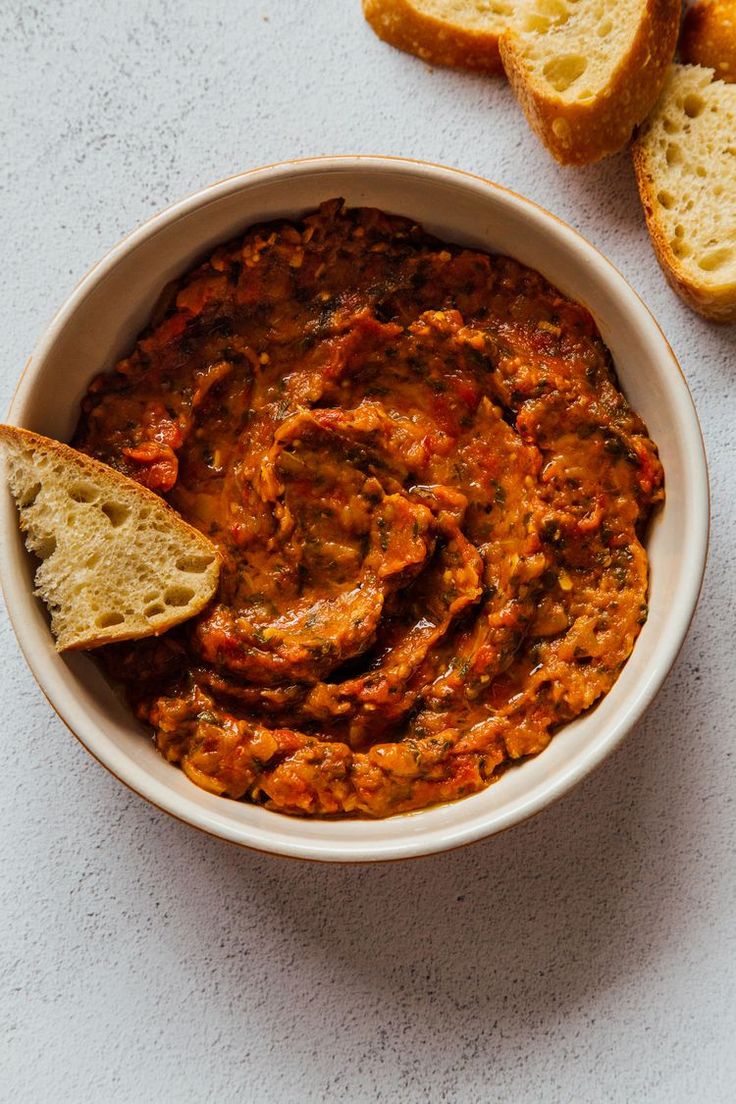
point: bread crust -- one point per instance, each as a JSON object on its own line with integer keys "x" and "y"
{"x": 715, "y": 304}
{"x": 581, "y": 133}
{"x": 434, "y": 40}
{"x": 708, "y": 37}
{"x": 24, "y": 440}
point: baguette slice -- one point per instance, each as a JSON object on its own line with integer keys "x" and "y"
{"x": 586, "y": 72}
{"x": 117, "y": 562}
{"x": 461, "y": 33}
{"x": 685, "y": 165}
{"x": 709, "y": 37}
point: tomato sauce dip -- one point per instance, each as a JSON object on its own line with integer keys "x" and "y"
{"x": 430, "y": 497}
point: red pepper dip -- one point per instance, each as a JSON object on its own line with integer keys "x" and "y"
{"x": 430, "y": 497}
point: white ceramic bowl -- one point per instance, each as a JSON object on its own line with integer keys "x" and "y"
{"x": 97, "y": 325}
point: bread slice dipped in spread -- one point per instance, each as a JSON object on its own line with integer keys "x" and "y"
{"x": 117, "y": 563}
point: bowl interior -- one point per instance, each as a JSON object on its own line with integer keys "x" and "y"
{"x": 100, "y": 321}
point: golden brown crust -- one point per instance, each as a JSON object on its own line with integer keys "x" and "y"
{"x": 582, "y": 132}
{"x": 15, "y": 437}
{"x": 715, "y": 304}
{"x": 709, "y": 37}
{"x": 404, "y": 25}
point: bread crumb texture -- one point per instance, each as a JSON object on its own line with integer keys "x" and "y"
{"x": 116, "y": 561}
{"x": 685, "y": 162}
{"x": 709, "y": 37}
{"x": 587, "y": 73}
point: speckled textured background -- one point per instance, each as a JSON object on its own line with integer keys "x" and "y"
{"x": 586, "y": 956}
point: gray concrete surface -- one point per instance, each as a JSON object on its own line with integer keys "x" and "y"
{"x": 587, "y": 956}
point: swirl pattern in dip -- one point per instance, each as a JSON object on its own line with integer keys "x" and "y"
{"x": 430, "y": 496}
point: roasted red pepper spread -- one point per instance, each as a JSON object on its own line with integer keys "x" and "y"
{"x": 430, "y": 497}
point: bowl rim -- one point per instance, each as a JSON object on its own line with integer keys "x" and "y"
{"x": 134, "y": 776}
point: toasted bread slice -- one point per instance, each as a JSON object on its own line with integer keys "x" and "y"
{"x": 685, "y": 164}
{"x": 708, "y": 37}
{"x": 586, "y": 72}
{"x": 462, "y": 33}
{"x": 117, "y": 562}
